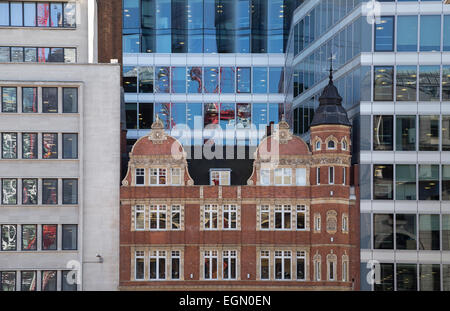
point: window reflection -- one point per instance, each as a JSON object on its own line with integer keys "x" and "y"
{"x": 29, "y": 146}
{"x": 146, "y": 76}
{"x": 383, "y": 182}
{"x": 162, "y": 80}
{"x": 260, "y": 80}
{"x": 243, "y": 79}
{"x": 383, "y": 83}
{"x": 406, "y": 133}
{"x": 406, "y": 277}
{"x": 406, "y": 83}
{"x": 384, "y": 34}
{"x": 179, "y": 80}
{"x": 29, "y": 191}
{"x": 211, "y": 80}
{"x": 428, "y": 182}
{"x": 131, "y": 115}
{"x": 383, "y": 133}
{"x": 227, "y": 79}
{"x": 227, "y": 115}
{"x": 407, "y": 29}
{"x": 194, "y": 80}
{"x": 428, "y": 133}
{"x": 430, "y": 33}
{"x": 386, "y": 278}
{"x": 429, "y": 83}
{"x": 405, "y": 182}
{"x": 383, "y": 231}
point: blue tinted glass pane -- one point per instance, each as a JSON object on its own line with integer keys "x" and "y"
{"x": 194, "y": 121}
{"x": 211, "y": 80}
{"x": 131, "y": 14}
{"x": 209, "y": 14}
{"x": 429, "y": 83}
{"x": 384, "y": 34}
{"x": 163, "y": 26}
{"x": 275, "y": 80}
{"x": 275, "y": 20}
{"x": 407, "y": 33}
{"x": 243, "y": 79}
{"x": 4, "y": 14}
{"x": 178, "y": 114}
{"x": 259, "y": 115}
{"x": 56, "y": 14}
{"x": 227, "y": 77}
{"x": 16, "y": 14}
{"x": 195, "y": 26}
{"x": 447, "y": 33}
{"x": 243, "y": 26}
{"x": 194, "y": 80}
{"x": 43, "y": 14}
{"x": 179, "y": 80}
{"x": 163, "y": 111}
{"x": 227, "y": 115}
{"x": 162, "y": 80}
{"x": 131, "y": 43}
{"x": 29, "y": 12}
{"x": 430, "y": 33}
{"x": 260, "y": 80}
{"x": 275, "y": 112}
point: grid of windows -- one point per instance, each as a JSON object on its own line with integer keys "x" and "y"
{"x": 28, "y": 54}
{"x": 285, "y": 217}
{"x": 157, "y": 217}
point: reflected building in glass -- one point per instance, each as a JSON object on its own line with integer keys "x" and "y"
{"x": 393, "y": 71}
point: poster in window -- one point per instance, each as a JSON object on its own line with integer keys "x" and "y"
{"x": 50, "y": 191}
{"x": 8, "y": 281}
{"x": 50, "y": 146}
{"x": 43, "y": 12}
{"x": 9, "y": 237}
{"x": 29, "y": 239}
{"x": 243, "y": 115}
{"x": 9, "y": 99}
{"x": 9, "y": 145}
{"x": 30, "y": 190}
{"x": 48, "y": 281}
{"x": 9, "y": 191}
{"x": 29, "y": 146}
{"x": 49, "y": 237}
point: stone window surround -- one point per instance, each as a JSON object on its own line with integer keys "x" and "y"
{"x": 147, "y": 175}
{"x": 220, "y": 249}
{"x": 293, "y": 216}
{"x": 147, "y": 217}
{"x": 220, "y": 206}
{"x": 293, "y": 175}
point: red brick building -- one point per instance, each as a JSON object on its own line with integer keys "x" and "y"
{"x": 294, "y": 225}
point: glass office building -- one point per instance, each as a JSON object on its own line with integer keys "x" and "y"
{"x": 205, "y": 65}
{"x": 394, "y": 75}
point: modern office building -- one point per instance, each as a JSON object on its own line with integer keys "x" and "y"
{"x": 392, "y": 61}
{"x": 59, "y": 164}
{"x": 291, "y": 225}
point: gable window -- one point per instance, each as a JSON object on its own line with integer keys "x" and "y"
{"x": 264, "y": 178}
{"x": 282, "y": 265}
{"x": 176, "y": 176}
{"x": 331, "y": 145}
{"x": 344, "y": 223}
{"x": 331, "y": 175}
{"x": 210, "y": 216}
{"x": 300, "y": 176}
{"x": 301, "y": 217}
{"x": 229, "y": 216}
{"x": 282, "y": 217}
{"x": 317, "y": 222}
{"x": 283, "y": 176}
{"x": 158, "y": 217}
{"x": 317, "y": 270}
{"x": 220, "y": 177}
{"x": 331, "y": 270}
{"x": 140, "y": 176}
{"x": 158, "y": 176}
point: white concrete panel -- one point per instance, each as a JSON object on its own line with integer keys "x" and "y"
{"x": 178, "y": 97}
{"x": 162, "y": 59}
{"x": 227, "y": 59}
{"x": 446, "y": 55}
{"x": 429, "y": 58}
{"x": 429, "y": 207}
{"x": 429, "y": 108}
{"x": 36, "y": 123}
{"x": 260, "y": 60}
{"x": 429, "y": 257}
{"x": 445, "y": 207}
{"x": 406, "y": 206}
{"x": 145, "y": 59}
{"x": 131, "y": 98}
{"x": 365, "y": 157}
{"x": 404, "y": 256}
{"x": 143, "y": 98}
{"x": 276, "y": 98}
{"x": 365, "y": 108}
{"x": 178, "y": 60}
{"x": 211, "y": 60}
{"x": 387, "y": 58}
{"x": 384, "y": 255}
{"x": 407, "y": 7}
{"x": 243, "y": 98}
{"x": 431, "y": 7}
{"x": 51, "y": 168}
{"x": 366, "y": 255}
{"x": 383, "y": 108}
{"x": 162, "y": 97}
{"x": 445, "y": 107}
{"x": 227, "y": 97}
{"x": 133, "y": 59}
{"x": 446, "y": 257}
{"x": 385, "y": 157}
{"x": 405, "y": 157}
{"x": 39, "y": 214}
{"x": 407, "y": 58}
{"x": 405, "y": 107}
{"x": 429, "y": 157}
{"x": 365, "y": 206}
{"x": 44, "y": 260}
{"x": 383, "y": 206}
{"x": 445, "y": 157}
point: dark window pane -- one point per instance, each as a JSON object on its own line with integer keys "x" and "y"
{"x": 9, "y": 237}
{"x": 383, "y": 231}
{"x": 9, "y": 145}
{"x": 145, "y": 115}
{"x": 130, "y": 79}
{"x": 428, "y": 182}
{"x": 70, "y": 100}
{"x": 70, "y": 191}
{"x": 28, "y": 281}
{"x": 49, "y": 99}
{"x": 386, "y": 278}
{"x": 365, "y": 231}
{"x": 227, "y": 79}
{"x": 430, "y": 277}
{"x": 430, "y": 33}
{"x": 56, "y": 55}
{"x": 29, "y": 146}
{"x": 43, "y": 14}
{"x": 383, "y": 84}
{"x": 48, "y": 281}
{"x": 16, "y": 13}
{"x": 406, "y": 231}
{"x": 146, "y": 79}
{"x": 49, "y": 191}
{"x": 70, "y": 14}
{"x": 30, "y": 191}
{"x": 8, "y": 278}
{"x": 446, "y": 182}
{"x": 406, "y": 133}
{"x": 9, "y": 191}
{"x": 276, "y": 80}
{"x": 406, "y": 83}
{"x": 29, "y": 12}
{"x": 69, "y": 237}
{"x": 446, "y": 232}
{"x": 405, "y": 176}
{"x": 445, "y": 83}
{"x": 382, "y": 182}
{"x": 131, "y": 115}
{"x": 428, "y": 133}
{"x": 29, "y": 237}
{"x": 50, "y": 146}
{"x": 49, "y": 237}
{"x": 70, "y": 146}
{"x": 56, "y": 14}
{"x": 383, "y": 132}
{"x": 9, "y": 99}
{"x": 429, "y": 232}
{"x": 384, "y": 34}
{"x": 29, "y": 100}
{"x": 406, "y": 277}
{"x": 429, "y": 83}
{"x": 69, "y": 279}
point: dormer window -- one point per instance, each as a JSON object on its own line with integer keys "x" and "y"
{"x": 158, "y": 176}
{"x": 318, "y": 145}
{"x": 283, "y": 176}
{"x": 176, "y": 176}
{"x": 220, "y": 177}
{"x": 331, "y": 144}
{"x": 139, "y": 176}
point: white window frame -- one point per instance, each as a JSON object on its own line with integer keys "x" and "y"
{"x": 344, "y": 271}
{"x": 344, "y": 145}
{"x": 138, "y": 255}
{"x": 317, "y": 270}
{"x": 301, "y": 255}
{"x": 283, "y": 209}
{"x": 318, "y": 145}
{"x": 283, "y": 173}
{"x": 318, "y": 175}
{"x": 139, "y": 209}
{"x": 328, "y": 145}
{"x": 298, "y": 181}
{"x": 283, "y": 255}
{"x": 210, "y": 255}
{"x": 175, "y": 255}
{"x": 160, "y": 172}
{"x": 230, "y": 209}
{"x": 331, "y": 177}
{"x": 344, "y": 176}
{"x": 157, "y": 254}
{"x": 221, "y": 173}
{"x": 264, "y": 254}
{"x": 139, "y": 172}
{"x": 158, "y": 210}
{"x": 264, "y": 177}
{"x": 175, "y": 209}
{"x": 210, "y": 210}
{"x": 229, "y": 255}
{"x": 300, "y": 209}
{"x": 262, "y": 210}
{"x": 331, "y": 270}
{"x": 317, "y": 222}
{"x": 175, "y": 173}
{"x": 344, "y": 223}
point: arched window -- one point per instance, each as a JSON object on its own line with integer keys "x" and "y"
{"x": 318, "y": 145}
{"x": 331, "y": 144}
{"x": 344, "y": 145}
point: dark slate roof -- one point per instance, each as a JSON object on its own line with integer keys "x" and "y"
{"x": 330, "y": 110}
{"x": 241, "y": 169}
